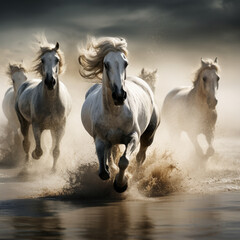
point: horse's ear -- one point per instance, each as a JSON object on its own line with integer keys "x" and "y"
{"x": 142, "y": 72}
{"x": 203, "y": 62}
{"x": 155, "y": 71}
{"x": 57, "y": 46}
{"x": 10, "y": 66}
{"x": 216, "y": 60}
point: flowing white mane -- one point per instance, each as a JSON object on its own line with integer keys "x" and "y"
{"x": 91, "y": 57}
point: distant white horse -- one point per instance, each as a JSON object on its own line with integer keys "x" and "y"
{"x": 17, "y": 73}
{"x": 44, "y": 103}
{"x": 192, "y": 109}
{"x": 121, "y": 110}
{"x": 149, "y": 77}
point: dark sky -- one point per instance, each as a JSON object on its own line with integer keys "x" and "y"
{"x": 161, "y": 20}
{"x": 188, "y": 24}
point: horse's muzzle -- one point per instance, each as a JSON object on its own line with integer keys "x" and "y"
{"x": 50, "y": 83}
{"x": 212, "y": 103}
{"x": 119, "y": 98}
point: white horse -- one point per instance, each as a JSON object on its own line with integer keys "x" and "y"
{"x": 192, "y": 109}
{"x": 121, "y": 110}
{"x": 44, "y": 103}
{"x": 17, "y": 73}
{"x": 149, "y": 77}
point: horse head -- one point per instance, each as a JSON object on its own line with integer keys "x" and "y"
{"x": 17, "y": 74}
{"x": 50, "y": 67}
{"x": 210, "y": 81}
{"x": 115, "y": 64}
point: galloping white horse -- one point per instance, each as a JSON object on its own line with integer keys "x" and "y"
{"x": 17, "y": 73}
{"x": 121, "y": 110}
{"x": 44, "y": 103}
{"x": 192, "y": 109}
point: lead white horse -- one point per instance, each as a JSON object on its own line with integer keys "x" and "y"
{"x": 120, "y": 110}
{"x": 17, "y": 74}
{"x": 44, "y": 103}
{"x": 192, "y": 109}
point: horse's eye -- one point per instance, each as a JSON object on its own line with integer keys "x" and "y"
{"x": 42, "y": 60}
{"x": 204, "y": 79}
{"x": 126, "y": 64}
{"x": 106, "y": 65}
{"x": 57, "y": 60}
{"x": 218, "y": 78}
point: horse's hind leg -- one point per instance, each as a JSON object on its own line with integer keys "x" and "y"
{"x": 147, "y": 138}
{"x": 56, "y": 139}
{"x": 24, "y": 130}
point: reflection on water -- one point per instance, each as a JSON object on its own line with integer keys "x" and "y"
{"x": 172, "y": 217}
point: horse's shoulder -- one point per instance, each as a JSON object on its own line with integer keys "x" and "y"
{"x": 9, "y": 91}
{"x": 95, "y": 87}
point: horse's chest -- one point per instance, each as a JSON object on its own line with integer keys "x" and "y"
{"x": 51, "y": 116}
{"x": 114, "y": 130}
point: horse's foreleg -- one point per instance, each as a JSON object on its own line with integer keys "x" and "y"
{"x": 37, "y": 132}
{"x": 56, "y": 139}
{"x": 120, "y": 183}
{"x": 195, "y": 142}
{"x": 210, "y": 150}
{"x": 102, "y": 150}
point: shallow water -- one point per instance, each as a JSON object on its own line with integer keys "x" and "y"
{"x": 205, "y": 205}
{"x": 180, "y": 216}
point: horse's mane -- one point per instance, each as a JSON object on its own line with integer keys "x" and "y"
{"x": 207, "y": 64}
{"x": 16, "y": 67}
{"x": 45, "y": 46}
{"x": 91, "y": 57}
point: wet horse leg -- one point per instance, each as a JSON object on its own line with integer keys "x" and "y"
{"x": 57, "y": 135}
{"x": 102, "y": 150}
{"x": 37, "y": 132}
{"x": 120, "y": 183}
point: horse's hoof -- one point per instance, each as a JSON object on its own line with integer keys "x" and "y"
{"x": 210, "y": 152}
{"x": 37, "y": 154}
{"x": 120, "y": 189}
{"x": 104, "y": 175}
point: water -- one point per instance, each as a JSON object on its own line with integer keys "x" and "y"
{"x": 180, "y": 216}
{"x": 203, "y": 202}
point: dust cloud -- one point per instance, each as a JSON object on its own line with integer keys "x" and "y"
{"x": 167, "y": 169}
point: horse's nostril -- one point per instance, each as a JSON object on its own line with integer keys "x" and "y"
{"x": 124, "y": 95}
{"x": 114, "y": 95}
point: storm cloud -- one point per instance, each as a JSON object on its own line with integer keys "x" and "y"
{"x": 173, "y": 21}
